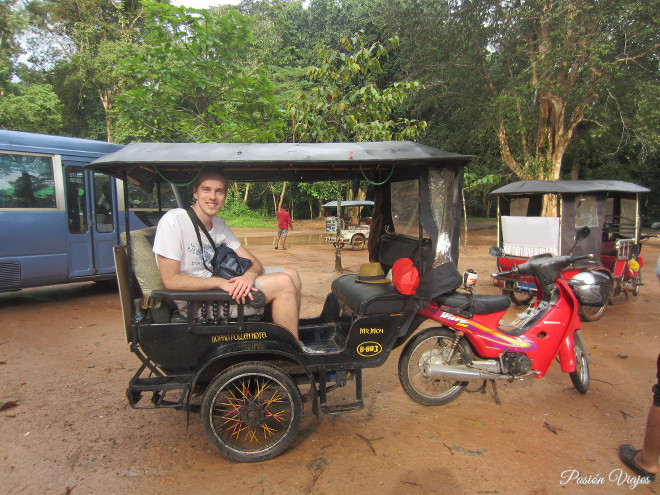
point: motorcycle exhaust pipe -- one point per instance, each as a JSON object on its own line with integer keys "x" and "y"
{"x": 458, "y": 373}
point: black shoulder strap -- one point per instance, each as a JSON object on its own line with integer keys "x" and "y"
{"x": 197, "y": 223}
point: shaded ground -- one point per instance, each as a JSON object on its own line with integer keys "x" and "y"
{"x": 65, "y": 362}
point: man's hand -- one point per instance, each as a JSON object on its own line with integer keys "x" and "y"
{"x": 240, "y": 287}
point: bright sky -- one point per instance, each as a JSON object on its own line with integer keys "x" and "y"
{"x": 204, "y": 4}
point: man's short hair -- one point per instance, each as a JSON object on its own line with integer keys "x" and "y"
{"x": 205, "y": 173}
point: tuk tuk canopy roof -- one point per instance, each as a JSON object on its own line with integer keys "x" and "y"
{"x": 569, "y": 187}
{"x": 333, "y": 204}
{"x": 309, "y": 162}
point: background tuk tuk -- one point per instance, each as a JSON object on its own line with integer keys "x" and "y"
{"x": 354, "y": 229}
{"x": 230, "y": 362}
{"x": 610, "y": 208}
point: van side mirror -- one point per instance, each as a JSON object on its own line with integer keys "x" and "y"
{"x": 496, "y": 252}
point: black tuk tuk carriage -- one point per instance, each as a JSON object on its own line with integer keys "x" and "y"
{"x": 610, "y": 208}
{"x": 246, "y": 369}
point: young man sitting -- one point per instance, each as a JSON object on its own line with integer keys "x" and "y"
{"x": 182, "y": 263}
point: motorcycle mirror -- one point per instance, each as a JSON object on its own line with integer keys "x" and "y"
{"x": 583, "y": 233}
{"x": 496, "y": 252}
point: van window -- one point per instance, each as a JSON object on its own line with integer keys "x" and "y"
{"x": 76, "y": 206}
{"x": 26, "y": 181}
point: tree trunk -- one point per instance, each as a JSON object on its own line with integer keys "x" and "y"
{"x": 272, "y": 191}
{"x": 281, "y": 201}
{"x": 247, "y": 191}
{"x": 338, "y": 267}
{"x": 106, "y": 101}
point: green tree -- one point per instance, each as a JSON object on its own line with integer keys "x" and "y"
{"x": 346, "y": 103}
{"x": 532, "y": 72}
{"x": 192, "y": 83}
{"x": 92, "y": 36}
{"x": 35, "y": 108}
{"x": 11, "y": 22}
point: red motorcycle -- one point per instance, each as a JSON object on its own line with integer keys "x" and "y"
{"x": 472, "y": 344}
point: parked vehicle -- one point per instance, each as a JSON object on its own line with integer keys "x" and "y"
{"x": 612, "y": 209}
{"x": 58, "y": 221}
{"x": 242, "y": 372}
{"x": 353, "y": 233}
{"x": 472, "y": 344}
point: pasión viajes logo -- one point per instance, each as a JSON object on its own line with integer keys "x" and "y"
{"x": 616, "y": 477}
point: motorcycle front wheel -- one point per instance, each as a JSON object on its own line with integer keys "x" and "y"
{"x": 433, "y": 344}
{"x": 580, "y": 377}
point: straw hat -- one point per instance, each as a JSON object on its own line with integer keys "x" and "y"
{"x": 371, "y": 273}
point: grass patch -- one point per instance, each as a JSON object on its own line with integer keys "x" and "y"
{"x": 249, "y": 222}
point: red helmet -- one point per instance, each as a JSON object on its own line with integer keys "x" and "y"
{"x": 405, "y": 276}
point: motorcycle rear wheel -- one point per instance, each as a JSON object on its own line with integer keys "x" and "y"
{"x": 580, "y": 377}
{"x": 432, "y": 343}
{"x": 521, "y": 297}
{"x": 637, "y": 283}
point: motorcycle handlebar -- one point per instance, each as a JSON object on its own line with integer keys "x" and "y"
{"x": 567, "y": 260}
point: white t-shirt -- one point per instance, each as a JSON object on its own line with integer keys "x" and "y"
{"x": 176, "y": 239}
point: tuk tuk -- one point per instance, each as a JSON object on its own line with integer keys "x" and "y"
{"x": 354, "y": 230}
{"x": 229, "y": 361}
{"x": 611, "y": 208}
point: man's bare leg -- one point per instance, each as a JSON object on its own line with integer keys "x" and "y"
{"x": 296, "y": 282}
{"x": 280, "y": 289}
{"x": 647, "y": 458}
{"x": 277, "y": 242}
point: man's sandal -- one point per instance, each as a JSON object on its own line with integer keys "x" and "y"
{"x": 627, "y": 455}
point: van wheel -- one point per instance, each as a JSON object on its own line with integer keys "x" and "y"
{"x": 357, "y": 242}
{"x": 251, "y": 412}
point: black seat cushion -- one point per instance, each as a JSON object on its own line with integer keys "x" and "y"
{"x": 475, "y": 303}
{"x": 368, "y": 299}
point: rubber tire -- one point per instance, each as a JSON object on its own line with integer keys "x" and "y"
{"x": 520, "y": 297}
{"x": 637, "y": 283}
{"x": 358, "y": 242}
{"x": 580, "y": 377}
{"x": 243, "y": 372}
{"x": 591, "y": 313}
{"x": 463, "y": 354}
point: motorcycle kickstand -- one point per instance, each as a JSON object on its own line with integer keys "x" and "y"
{"x": 496, "y": 395}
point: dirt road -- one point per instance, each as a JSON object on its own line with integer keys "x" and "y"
{"x": 64, "y": 361}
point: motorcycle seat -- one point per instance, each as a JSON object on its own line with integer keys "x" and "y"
{"x": 474, "y": 303}
{"x": 368, "y": 299}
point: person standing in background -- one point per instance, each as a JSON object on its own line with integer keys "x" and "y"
{"x": 283, "y": 226}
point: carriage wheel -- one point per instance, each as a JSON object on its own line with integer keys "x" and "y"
{"x": 251, "y": 412}
{"x": 357, "y": 242}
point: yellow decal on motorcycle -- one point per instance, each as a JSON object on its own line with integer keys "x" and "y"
{"x": 234, "y": 337}
{"x": 369, "y": 349}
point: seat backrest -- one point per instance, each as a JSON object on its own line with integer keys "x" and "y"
{"x": 123, "y": 281}
{"x": 144, "y": 264}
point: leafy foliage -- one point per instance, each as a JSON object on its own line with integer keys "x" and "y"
{"x": 346, "y": 104}
{"x": 193, "y": 83}
{"x": 35, "y": 108}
